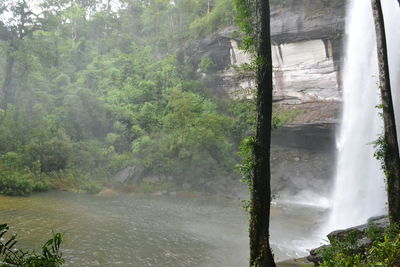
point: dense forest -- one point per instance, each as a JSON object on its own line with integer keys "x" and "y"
{"x": 90, "y": 87}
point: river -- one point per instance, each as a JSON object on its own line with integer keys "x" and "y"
{"x": 147, "y": 230}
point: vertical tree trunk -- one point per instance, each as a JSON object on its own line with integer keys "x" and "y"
{"x": 260, "y": 251}
{"x": 391, "y": 157}
{"x": 109, "y": 6}
{"x": 6, "y": 83}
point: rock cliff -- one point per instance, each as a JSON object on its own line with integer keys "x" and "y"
{"x": 303, "y": 20}
{"x": 307, "y": 40}
{"x": 307, "y": 51}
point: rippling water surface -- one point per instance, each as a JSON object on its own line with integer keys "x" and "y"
{"x": 140, "y": 231}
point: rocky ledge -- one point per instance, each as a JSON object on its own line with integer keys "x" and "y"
{"x": 300, "y": 20}
{"x": 359, "y": 233}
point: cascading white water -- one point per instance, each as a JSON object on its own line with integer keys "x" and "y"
{"x": 359, "y": 191}
{"x": 391, "y": 9}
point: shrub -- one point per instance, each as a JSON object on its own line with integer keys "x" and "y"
{"x": 23, "y": 181}
{"x": 384, "y": 250}
{"x": 15, "y": 184}
{"x": 91, "y": 187}
{"x": 385, "y": 253}
{"x": 207, "y": 65}
{"x": 50, "y": 256}
{"x": 42, "y": 184}
{"x": 52, "y": 154}
{"x": 221, "y": 15}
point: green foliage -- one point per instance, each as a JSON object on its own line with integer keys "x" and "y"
{"x": 385, "y": 253}
{"x": 221, "y": 15}
{"x": 11, "y": 256}
{"x": 380, "y": 146}
{"x": 384, "y": 249}
{"x": 342, "y": 253}
{"x": 193, "y": 135}
{"x": 207, "y": 65}
{"x": 281, "y": 117}
{"x": 93, "y": 91}
{"x": 247, "y": 165}
{"x": 16, "y": 179}
{"x": 245, "y": 10}
{"x": 16, "y": 184}
{"x": 52, "y": 154}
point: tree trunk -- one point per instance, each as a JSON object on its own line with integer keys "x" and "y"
{"x": 391, "y": 157}
{"x": 260, "y": 251}
{"x": 109, "y": 6}
{"x": 6, "y": 83}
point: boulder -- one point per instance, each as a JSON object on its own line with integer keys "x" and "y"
{"x": 315, "y": 255}
{"x": 380, "y": 222}
{"x": 131, "y": 175}
{"x": 107, "y": 192}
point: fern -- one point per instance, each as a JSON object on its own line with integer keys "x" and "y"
{"x": 11, "y": 256}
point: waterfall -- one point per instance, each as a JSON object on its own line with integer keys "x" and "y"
{"x": 359, "y": 191}
{"x": 392, "y": 14}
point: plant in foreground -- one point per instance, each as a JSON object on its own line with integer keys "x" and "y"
{"x": 11, "y": 256}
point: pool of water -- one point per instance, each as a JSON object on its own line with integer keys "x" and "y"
{"x": 143, "y": 230}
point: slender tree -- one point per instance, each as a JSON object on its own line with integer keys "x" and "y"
{"x": 391, "y": 148}
{"x": 260, "y": 250}
{"x": 23, "y": 22}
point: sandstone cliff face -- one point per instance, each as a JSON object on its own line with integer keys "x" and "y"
{"x": 307, "y": 42}
{"x": 305, "y": 72}
{"x": 303, "y": 20}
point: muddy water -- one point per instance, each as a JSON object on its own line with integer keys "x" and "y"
{"x": 153, "y": 230}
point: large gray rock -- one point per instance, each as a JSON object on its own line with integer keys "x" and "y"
{"x": 381, "y": 222}
{"x": 307, "y": 20}
{"x": 130, "y": 175}
{"x": 216, "y": 45}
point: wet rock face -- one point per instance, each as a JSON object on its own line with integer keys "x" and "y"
{"x": 131, "y": 174}
{"x": 305, "y": 72}
{"x": 301, "y": 159}
{"x": 217, "y": 46}
{"x": 380, "y": 222}
{"x": 303, "y": 20}
{"x": 307, "y": 52}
